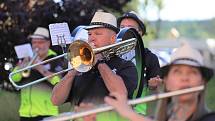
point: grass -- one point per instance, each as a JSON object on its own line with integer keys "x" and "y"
{"x": 9, "y": 106}
{"x": 9, "y": 103}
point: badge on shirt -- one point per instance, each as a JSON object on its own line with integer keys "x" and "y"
{"x": 114, "y": 70}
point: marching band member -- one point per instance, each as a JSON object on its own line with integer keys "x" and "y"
{"x": 107, "y": 76}
{"x": 185, "y": 70}
{"x": 35, "y": 99}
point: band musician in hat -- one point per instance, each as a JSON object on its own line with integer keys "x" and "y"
{"x": 35, "y": 99}
{"x": 151, "y": 79}
{"x": 107, "y": 76}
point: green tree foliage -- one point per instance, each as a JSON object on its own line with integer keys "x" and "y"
{"x": 19, "y": 18}
{"x": 190, "y": 29}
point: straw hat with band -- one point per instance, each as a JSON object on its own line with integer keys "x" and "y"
{"x": 40, "y": 33}
{"x": 186, "y": 55}
{"x": 103, "y": 20}
{"x": 133, "y": 15}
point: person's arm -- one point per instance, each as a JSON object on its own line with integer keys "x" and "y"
{"x": 113, "y": 82}
{"x": 120, "y": 103}
{"x": 53, "y": 80}
{"x": 61, "y": 91}
{"x": 153, "y": 70}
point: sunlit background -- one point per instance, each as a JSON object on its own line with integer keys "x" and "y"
{"x": 168, "y": 22}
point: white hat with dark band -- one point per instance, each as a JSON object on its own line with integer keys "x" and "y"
{"x": 186, "y": 55}
{"x": 103, "y": 20}
{"x": 40, "y": 33}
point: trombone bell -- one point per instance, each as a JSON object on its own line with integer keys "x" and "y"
{"x": 26, "y": 73}
{"x": 81, "y": 56}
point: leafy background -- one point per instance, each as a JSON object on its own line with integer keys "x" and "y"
{"x": 19, "y": 18}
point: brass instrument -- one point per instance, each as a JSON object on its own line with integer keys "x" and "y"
{"x": 105, "y": 107}
{"x": 81, "y": 56}
{"x": 27, "y": 73}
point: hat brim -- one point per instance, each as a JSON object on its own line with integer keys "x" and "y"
{"x": 38, "y": 37}
{"x": 93, "y": 26}
{"x": 207, "y": 73}
{"x": 102, "y": 25}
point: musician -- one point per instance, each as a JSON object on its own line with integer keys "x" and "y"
{"x": 107, "y": 75}
{"x": 151, "y": 72}
{"x": 185, "y": 70}
{"x": 35, "y": 99}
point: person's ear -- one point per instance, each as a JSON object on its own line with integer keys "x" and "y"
{"x": 113, "y": 38}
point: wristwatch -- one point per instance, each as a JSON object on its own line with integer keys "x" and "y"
{"x": 99, "y": 61}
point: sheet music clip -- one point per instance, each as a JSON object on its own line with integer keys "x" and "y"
{"x": 61, "y": 42}
{"x": 60, "y": 35}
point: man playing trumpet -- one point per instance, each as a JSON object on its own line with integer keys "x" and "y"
{"x": 35, "y": 99}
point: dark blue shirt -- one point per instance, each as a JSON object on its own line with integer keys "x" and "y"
{"x": 90, "y": 87}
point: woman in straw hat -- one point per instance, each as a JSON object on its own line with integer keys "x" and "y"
{"x": 185, "y": 70}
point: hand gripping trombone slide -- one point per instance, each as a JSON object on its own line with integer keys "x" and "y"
{"x": 104, "y": 107}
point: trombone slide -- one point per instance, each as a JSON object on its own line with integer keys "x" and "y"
{"x": 31, "y": 66}
{"x": 105, "y": 107}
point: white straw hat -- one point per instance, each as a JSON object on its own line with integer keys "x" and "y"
{"x": 186, "y": 55}
{"x": 104, "y": 20}
{"x": 40, "y": 33}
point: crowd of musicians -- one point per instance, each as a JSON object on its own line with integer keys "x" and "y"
{"x": 116, "y": 79}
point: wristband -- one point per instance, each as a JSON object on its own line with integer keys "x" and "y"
{"x": 98, "y": 62}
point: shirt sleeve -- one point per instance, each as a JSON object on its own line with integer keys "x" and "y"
{"x": 129, "y": 75}
{"x": 18, "y": 76}
{"x": 152, "y": 66}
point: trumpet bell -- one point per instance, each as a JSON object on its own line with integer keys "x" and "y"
{"x": 81, "y": 56}
{"x": 26, "y": 73}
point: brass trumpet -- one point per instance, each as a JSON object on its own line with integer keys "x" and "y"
{"x": 81, "y": 56}
{"x": 27, "y": 73}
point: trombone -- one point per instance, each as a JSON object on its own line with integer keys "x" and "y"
{"x": 81, "y": 56}
{"x": 105, "y": 107}
{"x": 27, "y": 73}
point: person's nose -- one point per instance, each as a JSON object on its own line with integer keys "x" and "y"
{"x": 185, "y": 77}
{"x": 35, "y": 46}
{"x": 92, "y": 40}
